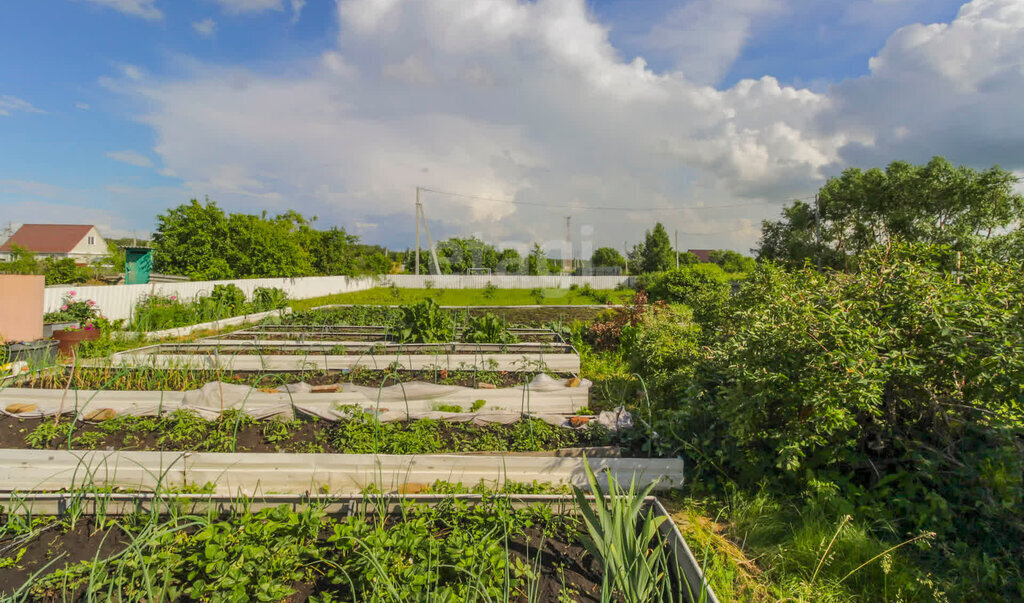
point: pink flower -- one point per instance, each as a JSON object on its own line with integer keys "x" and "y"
{"x": 64, "y": 307}
{"x": 174, "y": 298}
{"x": 71, "y": 293}
{"x": 92, "y": 303}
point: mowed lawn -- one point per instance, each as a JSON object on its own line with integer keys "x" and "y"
{"x": 470, "y": 297}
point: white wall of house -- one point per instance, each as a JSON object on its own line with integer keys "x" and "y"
{"x": 91, "y": 246}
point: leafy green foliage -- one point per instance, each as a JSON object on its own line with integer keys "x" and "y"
{"x": 702, "y": 287}
{"x": 662, "y": 346}
{"x": 268, "y": 298}
{"x": 732, "y": 261}
{"x": 657, "y": 254}
{"x": 202, "y": 242}
{"x": 156, "y": 312}
{"x": 935, "y": 203}
{"x": 607, "y": 257}
{"x": 62, "y": 271}
{"x": 620, "y": 534}
{"x": 895, "y": 390}
{"x": 364, "y": 435}
{"x": 487, "y": 328}
{"x": 426, "y": 322}
{"x": 536, "y": 262}
{"x": 446, "y": 553}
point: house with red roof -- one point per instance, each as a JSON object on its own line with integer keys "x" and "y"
{"x": 80, "y": 242}
{"x": 704, "y": 255}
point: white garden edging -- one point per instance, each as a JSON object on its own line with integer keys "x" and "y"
{"x": 204, "y": 326}
{"x": 253, "y": 474}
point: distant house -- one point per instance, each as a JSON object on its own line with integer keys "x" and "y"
{"x": 703, "y": 255}
{"x": 80, "y": 242}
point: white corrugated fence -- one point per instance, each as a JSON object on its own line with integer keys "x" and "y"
{"x": 118, "y": 301}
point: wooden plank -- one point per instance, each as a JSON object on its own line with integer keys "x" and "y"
{"x": 253, "y": 474}
{"x": 560, "y": 363}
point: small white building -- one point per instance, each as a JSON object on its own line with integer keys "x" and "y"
{"x": 80, "y": 242}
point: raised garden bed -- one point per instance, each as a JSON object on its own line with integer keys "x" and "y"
{"x": 242, "y": 356}
{"x": 521, "y": 316}
{"x": 150, "y": 379}
{"x": 463, "y": 548}
{"x": 341, "y": 334}
{"x": 237, "y": 432}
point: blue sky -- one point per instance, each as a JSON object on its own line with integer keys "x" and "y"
{"x": 113, "y": 110}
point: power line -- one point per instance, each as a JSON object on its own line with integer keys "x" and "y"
{"x": 599, "y": 208}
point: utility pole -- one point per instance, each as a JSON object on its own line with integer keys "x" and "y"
{"x": 625, "y": 255}
{"x": 419, "y": 211}
{"x": 817, "y": 227}
{"x": 677, "y": 248}
{"x": 567, "y": 261}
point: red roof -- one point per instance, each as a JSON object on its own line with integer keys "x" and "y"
{"x": 703, "y": 255}
{"x": 48, "y": 238}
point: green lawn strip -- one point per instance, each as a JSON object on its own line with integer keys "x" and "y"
{"x": 469, "y": 297}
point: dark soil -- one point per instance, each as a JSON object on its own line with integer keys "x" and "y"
{"x": 62, "y": 546}
{"x": 58, "y": 546}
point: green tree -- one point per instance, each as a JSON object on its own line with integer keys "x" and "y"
{"x": 607, "y": 257}
{"x": 688, "y": 259}
{"x": 536, "y": 262}
{"x": 732, "y": 261}
{"x": 193, "y": 240}
{"x": 657, "y": 254}
{"x": 935, "y": 203}
{"x": 510, "y": 262}
{"x": 22, "y": 261}
{"x": 64, "y": 272}
{"x": 335, "y": 253}
{"x": 262, "y": 247}
{"x": 704, "y": 288}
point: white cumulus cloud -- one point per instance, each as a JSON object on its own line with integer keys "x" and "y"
{"x": 131, "y": 158}
{"x": 10, "y": 104}
{"x": 206, "y": 28}
{"x": 249, "y": 6}
{"x": 705, "y": 37}
{"x": 531, "y": 101}
{"x": 138, "y": 8}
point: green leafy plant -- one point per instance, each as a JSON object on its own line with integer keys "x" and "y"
{"x": 268, "y": 298}
{"x": 488, "y": 328}
{"x": 625, "y": 539}
{"x": 425, "y": 322}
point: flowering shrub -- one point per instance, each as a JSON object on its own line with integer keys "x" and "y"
{"x": 74, "y": 308}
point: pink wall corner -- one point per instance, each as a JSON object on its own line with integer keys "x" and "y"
{"x": 21, "y": 306}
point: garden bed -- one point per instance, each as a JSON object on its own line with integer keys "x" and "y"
{"x": 237, "y": 432}
{"x": 149, "y": 379}
{"x": 534, "y": 316}
{"x": 558, "y": 358}
{"x": 290, "y": 555}
{"x": 463, "y": 547}
{"x": 340, "y": 334}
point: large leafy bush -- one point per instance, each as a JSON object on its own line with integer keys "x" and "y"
{"x": 702, "y": 287}
{"x": 662, "y": 345}
{"x": 898, "y": 388}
